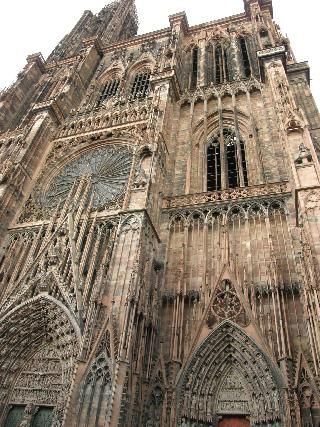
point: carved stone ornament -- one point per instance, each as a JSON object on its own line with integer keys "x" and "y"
{"x": 304, "y": 156}
{"x": 108, "y": 169}
{"x": 313, "y": 200}
{"x": 227, "y": 305}
{"x": 228, "y": 374}
{"x": 5, "y": 169}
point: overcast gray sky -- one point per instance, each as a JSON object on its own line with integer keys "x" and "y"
{"x": 29, "y": 26}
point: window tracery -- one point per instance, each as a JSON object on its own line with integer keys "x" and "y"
{"x": 227, "y": 305}
{"x": 97, "y": 389}
{"x": 226, "y": 152}
{"x": 141, "y": 85}
{"x": 217, "y": 63}
{"x": 110, "y": 89}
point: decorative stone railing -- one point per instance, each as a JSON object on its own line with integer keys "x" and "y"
{"x": 271, "y": 51}
{"x": 226, "y": 195}
{"x": 114, "y": 113}
{"x": 219, "y": 90}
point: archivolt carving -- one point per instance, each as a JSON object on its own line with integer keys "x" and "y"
{"x": 229, "y": 374}
{"x": 212, "y": 128}
{"x": 40, "y": 381}
{"x": 39, "y": 321}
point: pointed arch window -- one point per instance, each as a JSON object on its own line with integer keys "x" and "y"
{"x": 110, "y": 89}
{"x": 226, "y": 161}
{"x": 245, "y": 57}
{"x": 141, "y": 85}
{"x": 217, "y": 63}
{"x": 194, "y": 67}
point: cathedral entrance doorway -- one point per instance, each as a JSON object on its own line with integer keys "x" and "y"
{"x": 234, "y": 422}
{"x": 229, "y": 375}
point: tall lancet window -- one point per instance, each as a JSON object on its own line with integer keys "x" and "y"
{"x": 217, "y": 64}
{"x": 226, "y": 161}
{"x": 214, "y": 165}
{"x": 194, "y": 68}
{"x": 245, "y": 57}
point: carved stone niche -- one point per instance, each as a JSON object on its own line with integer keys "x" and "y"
{"x": 143, "y": 169}
{"x": 304, "y": 157}
{"x": 153, "y": 416}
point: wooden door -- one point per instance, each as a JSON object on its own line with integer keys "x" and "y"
{"x": 234, "y": 422}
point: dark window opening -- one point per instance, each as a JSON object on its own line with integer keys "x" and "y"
{"x": 214, "y": 166}
{"x": 219, "y": 65}
{"x": 109, "y": 90}
{"x": 194, "y": 74}
{"x": 233, "y": 157}
{"x": 210, "y": 68}
{"x": 244, "y": 163}
{"x": 226, "y": 67}
{"x": 141, "y": 85}
{"x": 232, "y": 166}
{"x": 245, "y": 57}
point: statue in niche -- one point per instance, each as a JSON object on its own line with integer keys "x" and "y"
{"x": 142, "y": 174}
{"x": 155, "y": 408}
{"x": 29, "y": 412}
{"x": 184, "y": 423}
{"x": 304, "y": 156}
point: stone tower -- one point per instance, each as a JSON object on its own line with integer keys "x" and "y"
{"x": 160, "y": 228}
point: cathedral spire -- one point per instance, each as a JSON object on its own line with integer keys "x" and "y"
{"x": 116, "y": 21}
{"x": 124, "y": 22}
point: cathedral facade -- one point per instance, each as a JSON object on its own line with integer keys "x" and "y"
{"x": 160, "y": 228}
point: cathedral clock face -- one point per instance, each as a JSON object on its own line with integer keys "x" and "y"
{"x": 108, "y": 168}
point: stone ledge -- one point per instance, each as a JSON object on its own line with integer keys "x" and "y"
{"x": 226, "y": 195}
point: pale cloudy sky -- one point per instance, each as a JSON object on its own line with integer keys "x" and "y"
{"x": 29, "y": 26}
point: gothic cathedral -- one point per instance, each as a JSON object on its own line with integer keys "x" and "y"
{"x": 160, "y": 228}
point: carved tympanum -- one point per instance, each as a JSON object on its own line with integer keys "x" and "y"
{"x": 228, "y": 374}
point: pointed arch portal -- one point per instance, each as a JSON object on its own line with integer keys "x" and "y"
{"x": 40, "y": 329}
{"x": 229, "y": 378}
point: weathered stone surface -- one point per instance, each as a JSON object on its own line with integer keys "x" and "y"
{"x": 160, "y": 221}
